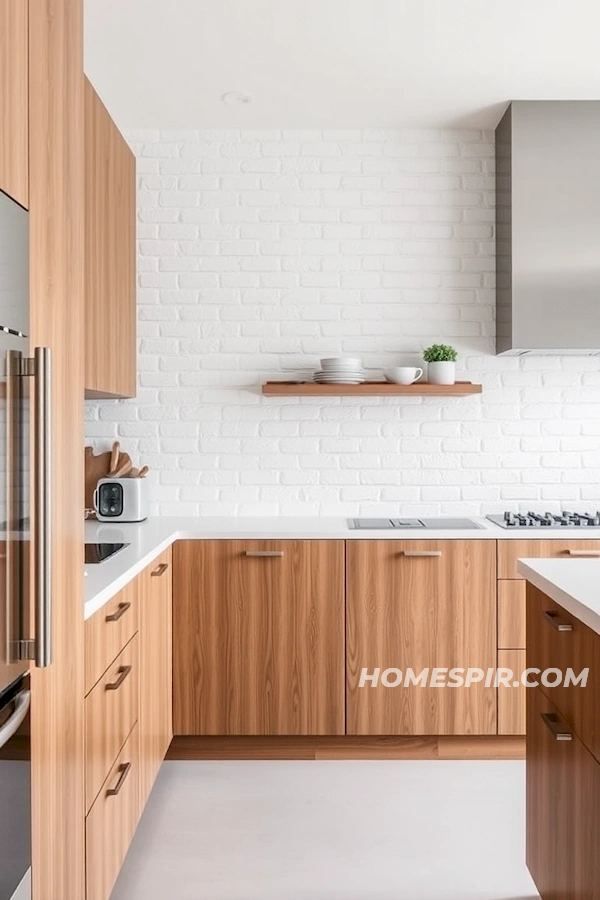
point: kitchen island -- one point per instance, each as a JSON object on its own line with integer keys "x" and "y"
{"x": 563, "y": 726}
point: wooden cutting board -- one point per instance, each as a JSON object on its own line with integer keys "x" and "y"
{"x": 96, "y": 467}
{"x": 99, "y": 466}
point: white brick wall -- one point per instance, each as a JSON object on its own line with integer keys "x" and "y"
{"x": 261, "y": 251}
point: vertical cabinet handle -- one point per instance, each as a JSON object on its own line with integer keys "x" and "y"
{"x": 554, "y": 619}
{"x": 554, "y": 724}
{"x": 123, "y": 770}
{"x": 418, "y": 553}
{"x": 160, "y": 570}
{"x": 43, "y": 505}
{"x": 269, "y": 554}
{"x": 120, "y": 611}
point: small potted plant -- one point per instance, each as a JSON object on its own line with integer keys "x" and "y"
{"x": 441, "y": 364}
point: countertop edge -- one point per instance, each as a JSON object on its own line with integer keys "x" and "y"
{"x": 529, "y": 568}
{"x": 149, "y": 539}
{"x": 101, "y": 597}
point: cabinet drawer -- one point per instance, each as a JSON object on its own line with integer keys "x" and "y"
{"x": 510, "y": 551}
{"x": 511, "y": 615}
{"x": 557, "y": 640}
{"x": 111, "y": 822}
{"x": 563, "y": 806}
{"x": 107, "y": 632}
{"x": 111, "y": 709}
{"x": 512, "y": 700}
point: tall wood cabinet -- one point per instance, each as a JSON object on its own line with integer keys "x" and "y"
{"x": 110, "y": 255}
{"x": 14, "y": 101}
{"x": 258, "y": 637}
{"x": 420, "y": 604}
{"x": 56, "y": 227}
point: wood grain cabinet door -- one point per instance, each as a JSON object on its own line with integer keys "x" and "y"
{"x": 110, "y": 255}
{"x": 156, "y": 670}
{"x": 14, "y": 96}
{"x": 258, "y": 637}
{"x": 550, "y": 819}
{"x": 563, "y": 805}
{"x": 418, "y": 605}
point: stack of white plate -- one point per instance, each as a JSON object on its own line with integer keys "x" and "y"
{"x": 340, "y": 370}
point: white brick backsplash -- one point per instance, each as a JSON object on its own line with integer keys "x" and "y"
{"x": 261, "y": 251}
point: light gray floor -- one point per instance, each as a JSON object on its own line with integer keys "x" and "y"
{"x": 331, "y": 831}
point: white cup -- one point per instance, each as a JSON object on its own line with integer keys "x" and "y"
{"x": 403, "y": 374}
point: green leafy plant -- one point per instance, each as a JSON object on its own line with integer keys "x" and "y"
{"x": 440, "y": 353}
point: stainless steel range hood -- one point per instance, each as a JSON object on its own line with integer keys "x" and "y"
{"x": 548, "y": 228}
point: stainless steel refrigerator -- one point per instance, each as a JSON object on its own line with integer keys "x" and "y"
{"x": 25, "y": 620}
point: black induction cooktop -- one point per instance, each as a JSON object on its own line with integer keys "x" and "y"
{"x": 97, "y": 553}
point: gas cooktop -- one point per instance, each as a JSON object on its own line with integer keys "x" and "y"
{"x": 530, "y": 519}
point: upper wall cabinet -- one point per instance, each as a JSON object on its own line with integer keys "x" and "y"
{"x": 14, "y": 165}
{"x": 110, "y": 256}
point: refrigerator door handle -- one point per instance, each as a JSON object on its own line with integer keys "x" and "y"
{"x": 40, "y": 369}
{"x": 11, "y": 726}
{"x": 43, "y": 506}
{"x": 18, "y": 646}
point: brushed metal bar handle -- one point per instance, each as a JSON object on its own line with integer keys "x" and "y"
{"x": 123, "y": 673}
{"x": 265, "y": 553}
{"x": 418, "y": 553}
{"x": 43, "y": 505}
{"x": 160, "y": 570}
{"x": 120, "y": 611}
{"x": 124, "y": 770}
{"x": 582, "y": 552}
{"x": 553, "y": 619}
{"x": 554, "y": 724}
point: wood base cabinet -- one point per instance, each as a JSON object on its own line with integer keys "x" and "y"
{"x": 511, "y": 614}
{"x": 128, "y": 716}
{"x": 420, "y": 605}
{"x": 258, "y": 637}
{"x": 563, "y": 774}
{"x": 563, "y": 806}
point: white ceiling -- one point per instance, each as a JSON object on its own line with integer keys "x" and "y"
{"x": 336, "y": 63}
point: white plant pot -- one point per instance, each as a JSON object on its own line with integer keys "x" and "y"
{"x": 441, "y": 372}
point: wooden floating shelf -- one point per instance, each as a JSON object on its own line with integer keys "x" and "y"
{"x": 369, "y": 389}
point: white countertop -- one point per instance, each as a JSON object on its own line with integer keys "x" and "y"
{"x": 572, "y": 583}
{"x": 148, "y": 539}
